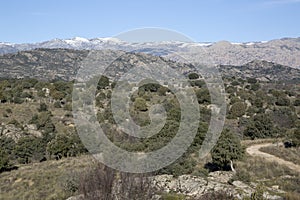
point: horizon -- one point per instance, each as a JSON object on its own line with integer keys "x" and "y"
{"x": 204, "y": 42}
{"x": 236, "y": 21}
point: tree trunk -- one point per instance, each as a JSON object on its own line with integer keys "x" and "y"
{"x": 231, "y": 166}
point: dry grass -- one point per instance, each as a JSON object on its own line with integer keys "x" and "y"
{"x": 41, "y": 180}
{"x": 288, "y": 154}
{"x": 248, "y": 143}
{"x": 270, "y": 173}
{"x": 20, "y": 112}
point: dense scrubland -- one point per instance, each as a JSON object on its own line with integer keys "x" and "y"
{"x": 42, "y": 156}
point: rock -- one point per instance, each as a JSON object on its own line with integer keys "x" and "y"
{"x": 11, "y": 131}
{"x": 247, "y": 190}
{"x": 220, "y": 176}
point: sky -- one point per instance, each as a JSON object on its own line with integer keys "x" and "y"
{"x": 203, "y": 21}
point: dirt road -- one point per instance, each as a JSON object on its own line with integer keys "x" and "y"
{"x": 254, "y": 151}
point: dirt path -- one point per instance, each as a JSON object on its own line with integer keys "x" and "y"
{"x": 254, "y": 151}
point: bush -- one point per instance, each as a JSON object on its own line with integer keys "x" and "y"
{"x": 30, "y": 149}
{"x": 260, "y": 126}
{"x": 140, "y": 104}
{"x": 172, "y": 196}
{"x": 241, "y": 175}
{"x": 217, "y": 195}
{"x": 65, "y": 146}
{"x": 203, "y": 96}
{"x": 258, "y": 194}
{"x": 4, "y": 160}
{"x": 238, "y": 109}
{"x": 57, "y": 104}
{"x": 282, "y": 101}
{"x": 296, "y": 137}
{"x": 297, "y": 102}
{"x": 193, "y": 76}
{"x": 43, "y": 107}
{"x": 103, "y": 82}
{"x": 252, "y": 80}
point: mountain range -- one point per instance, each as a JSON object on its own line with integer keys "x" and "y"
{"x": 49, "y": 64}
{"x": 285, "y": 51}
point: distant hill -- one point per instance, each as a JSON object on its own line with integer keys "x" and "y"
{"x": 262, "y": 70}
{"x": 49, "y": 64}
{"x": 285, "y": 51}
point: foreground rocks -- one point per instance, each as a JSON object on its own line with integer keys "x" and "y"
{"x": 193, "y": 187}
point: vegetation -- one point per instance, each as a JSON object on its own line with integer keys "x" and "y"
{"x": 36, "y": 126}
{"x": 260, "y": 126}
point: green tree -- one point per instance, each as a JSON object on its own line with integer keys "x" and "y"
{"x": 260, "y": 126}
{"x": 43, "y": 122}
{"x": 296, "y": 137}
{"x": 140, "y": 104}
{"x": 252, "y": 80}
{"x": 255, "y": 86}
{"x": 43, "y": 107}
{"x": 29, "y": 149}
{"x": 58, "y": 95}
{"x": 282, "y": 100}
{"x": 162, "y": 91}
{"x": 238, "y": 109}
{"x": 103, "y": 82}
{"x": 4, "y": 160}
{"x": 227, "y": 149}
{"x": 65, "y": 146}
{"x": 203, "y": 96}
{"x": 297, "y": 102}
{"x": 193, "y": 76}
{"x": 8, "y": 144}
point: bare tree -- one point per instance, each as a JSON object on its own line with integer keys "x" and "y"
{"x": 103, "y": 183}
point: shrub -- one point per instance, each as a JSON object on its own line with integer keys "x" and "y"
{"x": 140, "y": 104}
{"x": 238, "y": 109}
{"x": 219, "y": 195}
{"x": 29, "y": 149}
{"x": 297, "y": 102}
{"x": 193, "y": 76}
{"x": 172, "y": 196}
{"x": 103, "y": 82}
{"x": 4, "y": 160}
{"x": 57, "y": 104}
{"x": 43, "y": 107}
{"x": 65, "y": 146}
{"x": 260, "y": 126}
{"x": 282, "y": 101}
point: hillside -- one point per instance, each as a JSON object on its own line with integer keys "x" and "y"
{"x": 63, "y": 64}
{"x": 37, "y": 128}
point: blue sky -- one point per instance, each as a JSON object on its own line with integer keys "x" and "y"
{"x": 203, "y": 21}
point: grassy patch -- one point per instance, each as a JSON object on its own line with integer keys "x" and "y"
{"x": 288, "y": 154}
{"x": 270, "y": 174}
{"x": 44, "y": 180}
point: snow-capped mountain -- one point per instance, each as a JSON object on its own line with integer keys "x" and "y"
{"x": 284, "y": 51}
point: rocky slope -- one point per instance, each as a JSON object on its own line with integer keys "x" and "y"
{"x": 262, "y": 70}
{"x": 48, "y": 64}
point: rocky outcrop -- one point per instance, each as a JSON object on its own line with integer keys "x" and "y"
{"x": 11, "y": 131}
{"x": 195, "y": 187}
{"x": 15, "y": 132}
